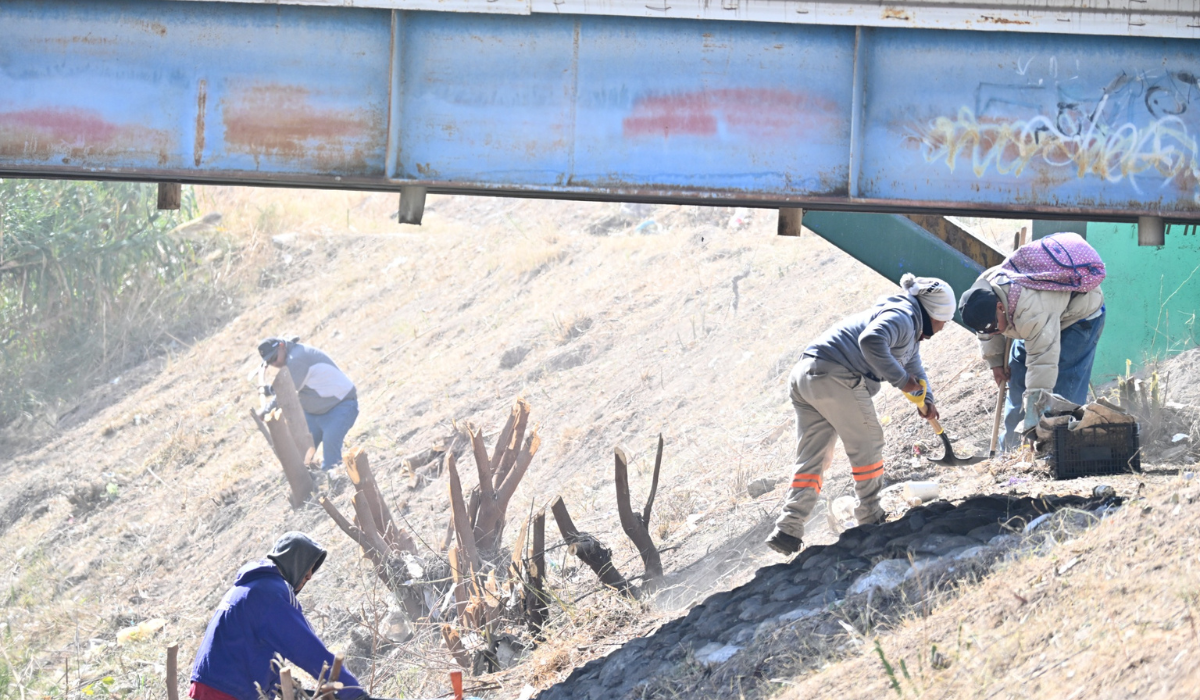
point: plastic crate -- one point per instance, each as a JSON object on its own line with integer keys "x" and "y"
{"x": 1096, "y": 450}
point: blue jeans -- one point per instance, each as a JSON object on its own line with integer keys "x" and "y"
{"x": 329, "y": 430}
{"x": 1077, "y": 350}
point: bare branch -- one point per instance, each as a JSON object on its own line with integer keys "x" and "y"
{"x": 466, "y": 538}
{"x": 653, "y": 483}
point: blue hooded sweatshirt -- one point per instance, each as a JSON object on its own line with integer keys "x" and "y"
{"x": 260, "y": 617}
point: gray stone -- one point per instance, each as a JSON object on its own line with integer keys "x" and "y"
{"x": 985, "y": 533}
{"x": 939, "y": 544}
{"x": 793, "y": 592}
{"x": 885, "y": 577}
{"x": 716, "y": 653}
{"x": 760, "y": 487}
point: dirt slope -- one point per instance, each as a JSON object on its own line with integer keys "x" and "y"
{"x": 161, "y": 487}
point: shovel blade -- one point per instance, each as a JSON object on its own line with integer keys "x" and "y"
{"x": 950, "y": 460}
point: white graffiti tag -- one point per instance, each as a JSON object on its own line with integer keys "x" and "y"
{"x": 1101, "y": 139}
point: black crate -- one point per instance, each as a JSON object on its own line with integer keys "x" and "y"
{"x": 1096, "y": 450}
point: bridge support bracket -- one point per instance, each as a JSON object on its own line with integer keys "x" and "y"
{"x": 1151, "y": 231}
{"x": 790, "y": 221}
{"x": 170, "y": 195}
{"x": 412, "y": 205}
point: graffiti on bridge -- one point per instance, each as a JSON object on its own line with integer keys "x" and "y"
{"x": 1134, "y": 129}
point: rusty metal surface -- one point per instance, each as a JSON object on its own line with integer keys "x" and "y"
{"x": 819, "y": 117}
{"x": 192, "y": 88}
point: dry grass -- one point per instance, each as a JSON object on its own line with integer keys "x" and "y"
{"x": 1110, "y": 614}
{"x": 419, "y": 318}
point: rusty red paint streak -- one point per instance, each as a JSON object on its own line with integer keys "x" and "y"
{"x": 71, "y": 126}
{"x": 744, "y": 111}
{"x": 72, "y": 134}
{"x": 281, "y": 120}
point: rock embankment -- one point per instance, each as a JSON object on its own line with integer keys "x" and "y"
{"x": 872, "y": 561}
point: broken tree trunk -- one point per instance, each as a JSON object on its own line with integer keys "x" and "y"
{"x": 289, "y": 400}
{"x": 589, "y": 549}
{"x": 535, "y": 598}
{"x": 293, "y": 463}
{"x": 636, "y": 525}
{"x": 500, "y": 475}
{"x": 358, "y": 468}
{"x": 462, "y": 525}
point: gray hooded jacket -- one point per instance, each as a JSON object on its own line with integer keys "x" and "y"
{"x": 881, "y": 343}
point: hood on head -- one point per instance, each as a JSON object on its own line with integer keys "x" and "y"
{"x": 295, "y": 553}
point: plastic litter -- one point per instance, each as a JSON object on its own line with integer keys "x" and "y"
{"x": 925, "y": 491}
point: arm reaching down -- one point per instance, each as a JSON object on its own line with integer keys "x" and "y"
{"x": 284, "y": 628}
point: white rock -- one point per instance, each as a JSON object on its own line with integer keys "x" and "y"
{"x": 716, "y": 653}
{"x": 797, "y": 614}
{"x": 972, "y": 553}
{"x": 1037, "y": 522}
{"x": 920, "y": 566}
{"x": 1177, "y": 437}
{"x": 886, "y": 576}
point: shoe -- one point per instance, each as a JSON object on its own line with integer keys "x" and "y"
{"x": 784, "y": 543}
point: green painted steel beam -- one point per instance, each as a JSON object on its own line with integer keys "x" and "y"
{"x": 892, "y": 245}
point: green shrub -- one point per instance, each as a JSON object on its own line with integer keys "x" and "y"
{"x": 92, "y": 279}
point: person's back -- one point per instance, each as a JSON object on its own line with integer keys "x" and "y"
{"x": 880, "y": 343}
{"x": 320, "y": 384}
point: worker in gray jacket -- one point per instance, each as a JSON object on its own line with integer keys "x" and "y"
{"x": 328, "y": 397}
{"x": 831, "y": 390}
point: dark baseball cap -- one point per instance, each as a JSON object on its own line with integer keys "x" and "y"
{"x": 268, "y": 348}
{"x": 978, "y": 309}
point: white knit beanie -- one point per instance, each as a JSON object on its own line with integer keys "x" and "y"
{"x": 935, "y": 295}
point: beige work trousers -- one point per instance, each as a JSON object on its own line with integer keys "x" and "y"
{"x": 832, "y": 401}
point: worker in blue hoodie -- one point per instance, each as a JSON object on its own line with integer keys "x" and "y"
{"x": 258, "y": 618}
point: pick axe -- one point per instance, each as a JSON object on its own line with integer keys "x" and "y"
{"x": 949, "y": 459}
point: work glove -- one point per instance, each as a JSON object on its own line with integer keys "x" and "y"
{"x": 1035, "y": 405}
{"x": 924, "y": 408}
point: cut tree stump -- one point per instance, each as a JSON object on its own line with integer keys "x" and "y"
{"x": 637, "y": 525}
{"x": 289, "y": 457}
{"x": 589, "y": 549}
{"x": 289, "y": 400}
{"x": 358, "y": 468}
{"x": 536, "y": 601}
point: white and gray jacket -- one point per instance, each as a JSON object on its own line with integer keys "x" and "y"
{"x": 319, "y": 382}
{"x": 881, "y": 343}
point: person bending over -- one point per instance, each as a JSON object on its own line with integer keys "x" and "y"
{"x": 328, "y": 397}
{"x": 832, "y": 387}
{"x": 258, "y": 618}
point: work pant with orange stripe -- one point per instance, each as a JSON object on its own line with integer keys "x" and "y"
{"x": 832, "y": 401}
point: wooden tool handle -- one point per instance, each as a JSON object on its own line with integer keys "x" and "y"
{"x": 1000, "y": 400}
{"x": 999, "y": 416}
{"x": 937, "y": 427}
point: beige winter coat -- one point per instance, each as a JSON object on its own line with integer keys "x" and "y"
{"x": 1038, "y": 319}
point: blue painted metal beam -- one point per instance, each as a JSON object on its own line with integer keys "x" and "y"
{"x": 602, "y": 107}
